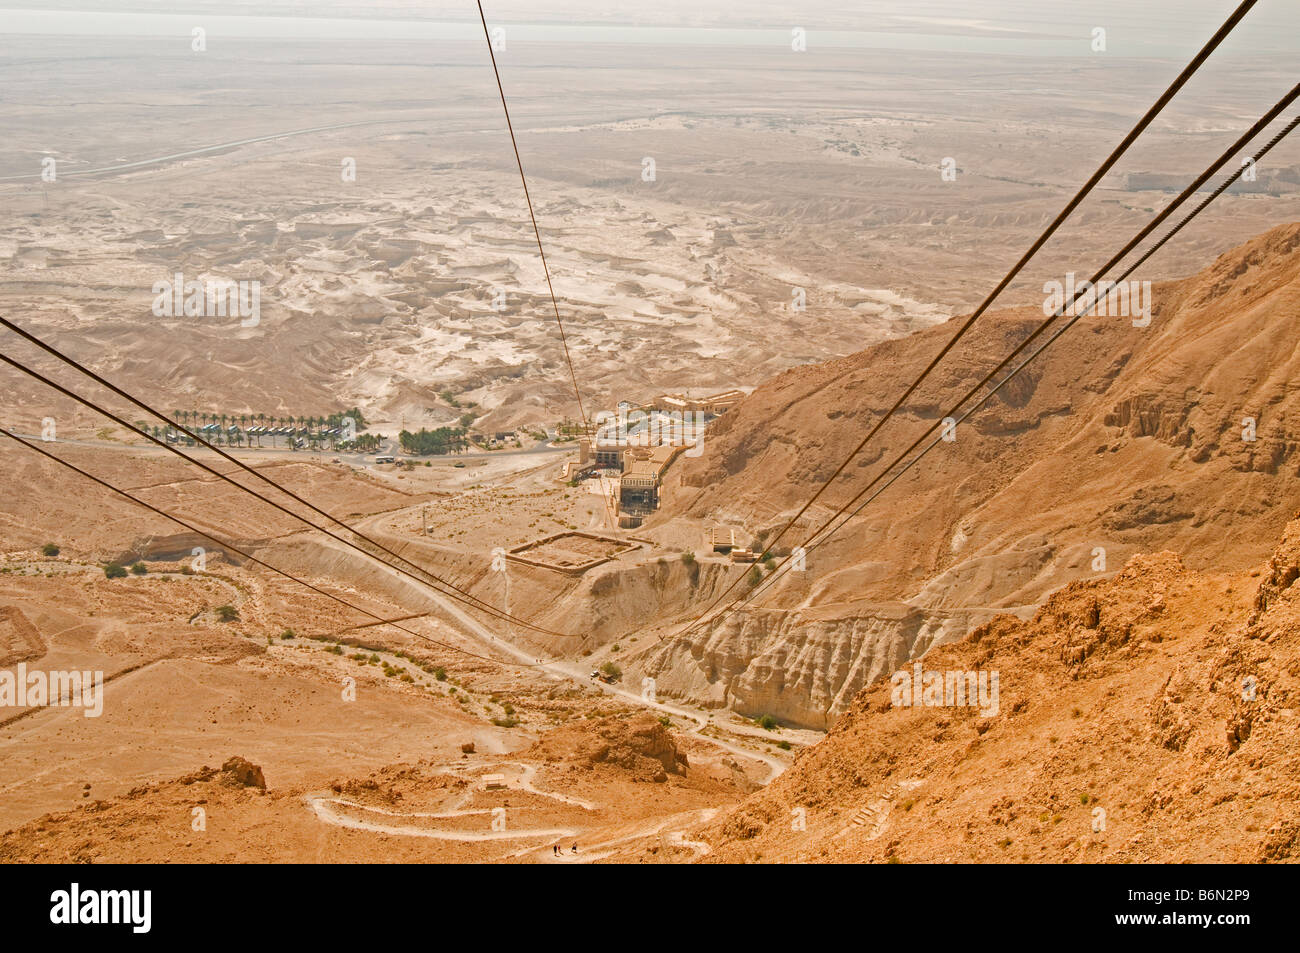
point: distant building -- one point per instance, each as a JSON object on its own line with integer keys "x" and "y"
{"x": 715, "y": 404}
{"x": 630, "y": 428}
{"x": 643, "y": 472}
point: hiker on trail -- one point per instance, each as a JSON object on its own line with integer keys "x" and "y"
{"x": 575, "y": 848}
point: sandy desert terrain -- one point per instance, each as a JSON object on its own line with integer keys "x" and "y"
{"x": 718, "y": 211}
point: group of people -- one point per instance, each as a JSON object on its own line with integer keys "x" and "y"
{"x": 558, "y": 849}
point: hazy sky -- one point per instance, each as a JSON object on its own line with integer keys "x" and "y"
{"x": 1146, "y": 28}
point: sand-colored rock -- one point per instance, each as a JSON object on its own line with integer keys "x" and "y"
{"x": 1119, "y": 440}
{"x": 1148, "y": 717}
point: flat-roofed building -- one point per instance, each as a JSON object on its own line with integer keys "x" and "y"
{"x": 714, "y": 405}
{"x": 639, "y": 487}
{"x": 643, "y": 472}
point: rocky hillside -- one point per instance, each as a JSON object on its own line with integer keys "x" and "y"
{"x": 1119, "y": 440}
{"x": 1147, "y": 717}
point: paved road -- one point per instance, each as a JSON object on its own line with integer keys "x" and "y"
{"x": 219, "y": 147}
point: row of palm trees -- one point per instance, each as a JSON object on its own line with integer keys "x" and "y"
{"x": 305, "y": 424}
{"x": 233, "y": 429}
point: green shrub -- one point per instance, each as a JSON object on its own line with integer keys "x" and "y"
{"x": 767, "y": 723}
{"x": 612, "y": 670}
{"x": 227, "y": 614}
{"x": 139, "y": 568}
{"x": 288, "y": 634}
{"x": 49, "y": 549}
{"x": 115, "y": 571}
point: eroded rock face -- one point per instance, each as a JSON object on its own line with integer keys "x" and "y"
{"x": 238, "y": 771}
{"x": 1283, "y": 571}
{"x": 1168, "y": 692}
{"x": 802, "y": 671}
{"x": 640, "y": 745}
{"x": 1121, "y": 442}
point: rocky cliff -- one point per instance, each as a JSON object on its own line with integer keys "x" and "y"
{"x": 1119, "y": 440}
